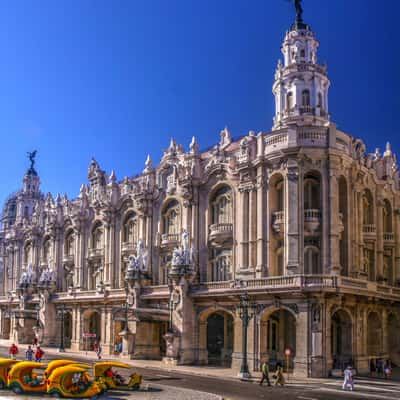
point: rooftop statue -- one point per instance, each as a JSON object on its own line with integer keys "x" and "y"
{"x": 31, "y": 156}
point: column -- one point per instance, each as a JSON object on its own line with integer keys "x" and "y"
{"x": 379, "y": 238}
{"x": 396, "y": 230}
{"x": 106, "y": 257}
{"x": 302, "y": 341}
{"x": 333, "y": 215}
{"x": 292, "y": 218}
{"x": 252, "y": 230}
{"x": 263, "y": 221}
{"x": 385, "y": 333}
{"x": 244, "y": 229}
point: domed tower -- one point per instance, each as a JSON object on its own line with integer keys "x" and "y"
{"x": 301, "y": 84}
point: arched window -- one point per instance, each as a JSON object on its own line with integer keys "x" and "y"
{"x": 171, "y": 214}
{"x": 320, "y": 103}
{"x": 289, "y": 101}
{"x": 69, "y": 244}
{"x": 221, "y": 265}
{"x": 46, "y": 250}
{"x": 368, "y": 208}
{"x": 311, "y": 193}
{"x": 305, "y": 98}
{"x": 302, "y": 54}
{"x": 222, "y": 206}
{"x": 130, "y": 234}
{"x": 97, "y": 237}
{"x": 312, "y": 263}
{"x": 387, "y": 217}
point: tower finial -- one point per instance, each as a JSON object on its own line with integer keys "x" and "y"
{"x": 299, "y": 11}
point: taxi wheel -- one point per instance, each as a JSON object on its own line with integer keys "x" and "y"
{"x": 56, "y": 395}
{"x": 2, "y": 386}
{"x": 95, "y": 397}
{"x": 16, "y": 389}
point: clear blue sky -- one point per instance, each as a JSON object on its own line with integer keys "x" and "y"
{"x": 116, "y": 79}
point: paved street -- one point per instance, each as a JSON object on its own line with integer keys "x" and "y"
{"x": 163, "y": 384}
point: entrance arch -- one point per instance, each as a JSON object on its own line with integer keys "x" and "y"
{"x": 277, "y": 333}
{"x": 92, "y": 325}
{"x": 216, "y": 337}
{"x": 374, "y": 335}
{"x": 67, "y": 329}
{"x": 393, "y": 338}
{"x": 342, "y": 332}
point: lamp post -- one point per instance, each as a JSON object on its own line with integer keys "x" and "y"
{"x": 125, "y": 307}
{"x": 61, "y": 313}
{"x": 246, "y": 311}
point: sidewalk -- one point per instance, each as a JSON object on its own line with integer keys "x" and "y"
{"x": 211, "y": 372}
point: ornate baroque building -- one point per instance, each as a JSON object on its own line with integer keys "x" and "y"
{"x": 301, "y": 219}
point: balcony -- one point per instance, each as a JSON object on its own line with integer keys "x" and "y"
{"x": 388, "y": 237}
{"x": 369, "y": 231}
{"x": 128, "y": 248}
{"x": 95, "y": 254}
{"x": 307, "y": 110}
{"x": 312, "y": 221}
{"x": 68, "y": 259}
{"x": 221, "y": 233}
{"x": 170, "y": 239}
{"x": 278, "y": 222}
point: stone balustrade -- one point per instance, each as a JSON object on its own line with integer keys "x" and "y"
{"x": 388, "y": 236}
{"x": 128, "y": 248}
{"x": 96, "y": 253}
{"x": 220, "y": 233}
{"x": 369, "y": 231}
{"x": 170, "y": 239}
{"x": 278, "y": 222}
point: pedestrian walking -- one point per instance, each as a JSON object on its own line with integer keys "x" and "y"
{"x": 348, "y": 378}
{"x": 372, "y": 367}
{"x": 279, "y": 379}
{"x": 13, "y": 351}
{"x": 265, "y": 373}
{"x": 39, "y": 354}
{"x": 98, "y": 352}
{"x": 387, "y": 369}
{"x": 29, "y": 353}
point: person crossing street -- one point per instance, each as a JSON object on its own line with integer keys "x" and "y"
{"x": 265, "y": 373}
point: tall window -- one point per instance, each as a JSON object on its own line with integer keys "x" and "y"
{"x": 97, "y": 237}
{"x": 222, "y": 206}
{"x": 368, "y": 210}
{"x": 69, "y": 244}
{"x": 131, "y": 229}
{"x": 311, "y": 193}
{"x": 46, "y": 250}
{"x": 221, "y": 265}
{"x": 312, "y": 261}
{"x": 289, "y": 101}
{"x": 320, "y": 100}
{"x": 387, "y": 217}
{"x": 171, "y": 224}
{"x": 305, "y": 96}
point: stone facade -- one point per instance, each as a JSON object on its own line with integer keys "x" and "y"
{"x": 301, "y": 219}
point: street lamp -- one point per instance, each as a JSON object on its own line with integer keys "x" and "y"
{"x": 61, "y": 313}
{"x": 246, "y": 311}
{"x": 126, "y": 307}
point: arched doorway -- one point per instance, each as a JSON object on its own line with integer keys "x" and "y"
{"x": 277, "y": 333}
{"x": 341, "y": 329}
{"x": 92, "y": 329}
{"x": 119, "y": 326}
{"x": 394, "y": 339}
{"x": 67, "y": 329}
{"x": 220, "y": 339}
{"x": 374, "y": 335}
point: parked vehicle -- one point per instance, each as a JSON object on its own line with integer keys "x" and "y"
{"x": 52, "y": 365}
{"x": 5, "y": 366}
{"x": 73, "y": 381}
{"x": 103, "y": 371}
{"x": 25, "y": 377}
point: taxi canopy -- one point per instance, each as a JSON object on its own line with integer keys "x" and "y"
{"x": 7, "y": 362}
{"x": 101, "y": 367}
{"x": 52, "y": 365}
{"x": 62, "y": 373}
{"x": 23, "y": 367}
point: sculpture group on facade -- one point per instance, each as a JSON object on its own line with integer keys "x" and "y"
{"x": 47, "y": 276}
{"x": 28, "y": 276}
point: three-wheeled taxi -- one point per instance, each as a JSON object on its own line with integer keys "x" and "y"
{"x": 52, "y": 365}
{"x": 73, "y": 381}
{"x": 5, "y": 366}
{"x": 103, "y": 372}
{"x": 23, "y": 378}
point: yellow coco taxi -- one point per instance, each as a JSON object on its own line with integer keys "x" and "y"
{"x": 52, "y": 365}
{"x": 103, "y": 372}
{"x": 5, "y": 366}
{"x": 73, "y": 381}
{"x": 25, "y": 377}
